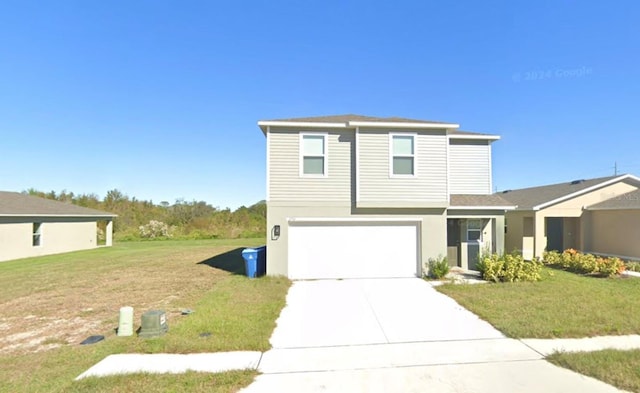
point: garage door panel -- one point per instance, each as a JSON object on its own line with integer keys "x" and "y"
{"x": 353, "y": 250}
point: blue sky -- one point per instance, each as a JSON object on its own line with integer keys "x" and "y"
{"x": 160, "y": 99}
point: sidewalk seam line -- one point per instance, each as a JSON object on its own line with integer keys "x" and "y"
{"x": 533, "y": 349}
{"x": 259, "y": 361}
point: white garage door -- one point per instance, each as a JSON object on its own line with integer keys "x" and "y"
{"x": 353, "y": 250}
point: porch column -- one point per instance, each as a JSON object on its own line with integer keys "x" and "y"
{"x": 585, "y": 232}
{"x": 464, "y": 249}
{"x": 540, "y": 238}
{"x": 109, "y": 233}
{"x": 498, "y": 230}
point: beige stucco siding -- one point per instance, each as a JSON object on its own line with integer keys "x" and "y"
{"x": 284, "y": 180}
{"x": 16, "y": 237}
{"x": 375, "y": 183}
{"x": 520, "y": 233}
{"x": 433, "y": 230}
{"x": 615, "y": 232}
{"x": 469, "y": 167}
{"x": 574, "y": 207}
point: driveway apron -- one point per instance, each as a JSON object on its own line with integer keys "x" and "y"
{"x": 398, "y": 335}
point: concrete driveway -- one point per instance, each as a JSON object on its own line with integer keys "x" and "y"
{"x": 373, "y": 311}
{"x": 398, "y": 335}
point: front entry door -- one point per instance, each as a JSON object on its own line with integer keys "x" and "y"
{"x": 474, "y": 242}
{"x": 555, "y": 238}
{"x": 453, "y": 242}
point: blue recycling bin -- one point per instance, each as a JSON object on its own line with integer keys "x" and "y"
{"x": 255, "y": 261}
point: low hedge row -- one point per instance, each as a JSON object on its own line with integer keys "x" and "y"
{"x": 575, "y": 261}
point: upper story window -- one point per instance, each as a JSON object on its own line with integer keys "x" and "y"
{"x": 37, "y": 234}
{"x": 403, "y": 160}
{"x": 313, "y": 154}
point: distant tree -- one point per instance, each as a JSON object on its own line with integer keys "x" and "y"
{"x": 195, "y": 219}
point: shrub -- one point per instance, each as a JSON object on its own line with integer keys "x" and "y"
{"x": 438, "y": 267}
{"x": 632, "y": 266}
{"x": 610, "y": 267}
{"x": 551, "y": 257}
{"x": 575, "y": 261}
{"x": 154, "y": 229}
{"x": 508, "y": 268}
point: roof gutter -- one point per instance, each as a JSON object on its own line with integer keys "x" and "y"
{"x": 483, "y": 207}
{"x": 471, "y": 136}
{"x": 58, "y": 215}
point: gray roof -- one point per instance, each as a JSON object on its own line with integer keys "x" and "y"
{"x": 470, "y": 200}
{"x": 17, "y": 204}
{"x": 527, "y": 198}
{"x": 630, "y": 200}
{"x": 351, "y": 117}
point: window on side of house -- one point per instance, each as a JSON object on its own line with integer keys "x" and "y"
{"x": 37, "y": 234}
{"x": 313, "y": 152}
{"x": 403, "y": 160}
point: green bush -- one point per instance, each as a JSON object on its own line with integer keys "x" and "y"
{"x": 551, "y": 257}
{"x": 438, "y": 267}
{"x": 577, "y": 262}
{"x": 633, "y": 266}
{"x": 508, "y": 268}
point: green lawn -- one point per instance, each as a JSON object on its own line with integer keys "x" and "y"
{"x": 618, "y": 368}
{"x": 561, "y": 305}
{"x": 51, "y": 303}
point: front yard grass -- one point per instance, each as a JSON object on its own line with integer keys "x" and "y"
{"x": 618, "y": 368}
{"x": 563, "y": 304}
{"x": 50, "y": 304}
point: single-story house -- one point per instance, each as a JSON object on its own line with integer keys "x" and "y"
{"x": 31, "y": 226}
{"x": 600, "y": 216}
{"x": 616, "y": 226}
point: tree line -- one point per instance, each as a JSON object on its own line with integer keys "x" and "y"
{"x": 138, "y": 219}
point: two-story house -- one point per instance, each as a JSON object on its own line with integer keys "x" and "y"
{"x": 358, "y": 196}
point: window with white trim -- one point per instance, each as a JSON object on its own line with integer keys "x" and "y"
{"x": 313, "y": 154}
{"x": 403, "y": 160}
{"x": 37, "y": 234}
{"x": 474, "y": 230}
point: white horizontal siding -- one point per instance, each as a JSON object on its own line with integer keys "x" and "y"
{"x": 469, "y": 167}
{"x": 284, "y": 180}
{"x": 375, "y": 183}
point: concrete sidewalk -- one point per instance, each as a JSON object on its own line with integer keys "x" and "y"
{"x": 533, "y": 376}
{"x": 548, "y": 346}
{"x": 164, "y": 363}
{"x": 358, "y": 357}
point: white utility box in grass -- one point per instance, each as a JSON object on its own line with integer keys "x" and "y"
{"x": 125, "y": 326}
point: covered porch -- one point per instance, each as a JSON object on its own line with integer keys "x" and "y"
{"x": 475, "y": 225}
{"x": 469, "y": 237}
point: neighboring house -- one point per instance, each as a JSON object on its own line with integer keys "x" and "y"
{"x": 360, "y": 196}
{"x": 32, "y": 226}
{"x": 600, "y": 216}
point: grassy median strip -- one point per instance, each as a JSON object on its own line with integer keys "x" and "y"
{"x": 618, "y": 368}
{"x": 563, "y": 304}
{"x": 51, "y": 303}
